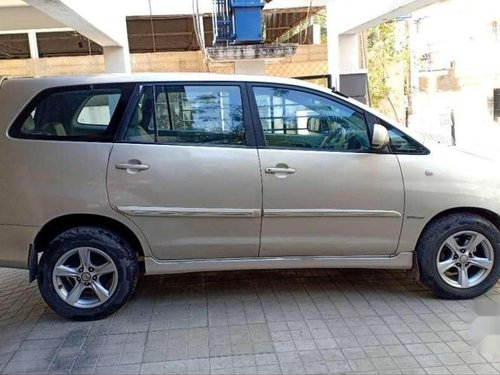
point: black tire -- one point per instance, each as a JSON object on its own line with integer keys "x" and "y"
{"x": 436, "y": 234}
{"x": 111, "y": 244}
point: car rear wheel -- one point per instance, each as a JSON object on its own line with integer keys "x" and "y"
{"x": 87, "y": 273}
{"x": 459, "y": 256}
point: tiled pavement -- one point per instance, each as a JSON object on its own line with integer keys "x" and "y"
{"x": 265, "y": 322}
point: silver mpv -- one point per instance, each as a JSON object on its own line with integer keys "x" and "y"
{"x": 104, "y": 177}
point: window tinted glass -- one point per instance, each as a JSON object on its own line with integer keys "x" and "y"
{"x": 71, "y": 113}
{"x": 300, "y": 120}
{"x": 401, "y": 143}
{"x": 141, "y": 125}
{"x": 189, "y": 114}
{"x": 98, "y": 110}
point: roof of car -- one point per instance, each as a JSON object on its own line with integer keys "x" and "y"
{"x": 32, "y": 85}
{"x": 154, "y": 77}
{"x": 44, "y": 82}
{"x": 36, "y": 84}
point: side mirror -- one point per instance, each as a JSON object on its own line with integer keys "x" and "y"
{"x": 380, "y": 137}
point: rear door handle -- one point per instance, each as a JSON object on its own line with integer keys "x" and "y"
{"x": 277, "y": 170}
{"x": 132, "y": 166}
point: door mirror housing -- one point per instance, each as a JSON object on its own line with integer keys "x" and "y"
{"x": 380, "y": 137}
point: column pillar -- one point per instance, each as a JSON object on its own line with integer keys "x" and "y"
{"x": 116, "y": 60}
{"x": 33, "y": 44}
{"x": 332, "y": 43}
{"x": 349, "y": 53}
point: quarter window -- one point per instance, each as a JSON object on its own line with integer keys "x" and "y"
{"x": 300, "y": 120}
{"x": 401, "y": 143}
{"x": 73, "y": 113}
{"x": 189, "y": 114}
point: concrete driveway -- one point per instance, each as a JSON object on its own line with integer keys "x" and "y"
{"x": 265, "y": 322}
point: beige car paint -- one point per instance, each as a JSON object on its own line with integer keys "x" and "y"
{"x": 445, "y": 179}
{"x": 15, "y": 241}
{"x": 44, "y": 180}
{"x": 196, "y": 202}
{"x": 369, "y": 186}
{"x": 44, "y": 183}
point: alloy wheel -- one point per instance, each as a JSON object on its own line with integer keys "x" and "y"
{"x": 85, "y": 277}
{"x": 465, "y": 259}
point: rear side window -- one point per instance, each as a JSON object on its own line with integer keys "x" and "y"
{"x": 190, "y": 114}
{"x": 79, "y": 113}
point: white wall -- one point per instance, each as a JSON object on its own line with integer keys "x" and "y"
{"x": 459, "y": 31}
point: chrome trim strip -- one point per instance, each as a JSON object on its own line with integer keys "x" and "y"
{"x": 329, "y": 213}
{"x": 403, "y": 260}
{"x": 242, "y": 212}
{"x": 189, "y": 212}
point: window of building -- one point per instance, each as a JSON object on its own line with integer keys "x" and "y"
{"x": 14, "y": 46}
{"x": 165, "y": 33}
{"x": 65, "y": 43}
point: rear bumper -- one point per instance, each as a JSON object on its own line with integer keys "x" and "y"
{"x": 15, "y": 243}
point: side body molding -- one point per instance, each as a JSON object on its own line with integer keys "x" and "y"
{"x": 252, "y": 213}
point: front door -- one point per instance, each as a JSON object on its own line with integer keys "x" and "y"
{"x": 186, "y": 173}
{"x": 325, "y": 192}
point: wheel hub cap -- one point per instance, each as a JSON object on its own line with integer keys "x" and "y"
{"x": 465, "y": 259}
{"x": 85, "y": 277}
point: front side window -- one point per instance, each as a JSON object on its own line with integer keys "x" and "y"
{"x": 72, "y": 113}
{"x": 300, "y": 120}
{"x": 211, "y": 115}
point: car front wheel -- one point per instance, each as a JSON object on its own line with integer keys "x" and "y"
{"x": 87, "y": 273}
{"x": 459, "y": 256}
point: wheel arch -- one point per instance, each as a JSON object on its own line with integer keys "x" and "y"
{"x": 62, "y": 223}
{"x": 485, "y": 213}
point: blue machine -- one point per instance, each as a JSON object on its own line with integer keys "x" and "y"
{"x": 237, "y": 21}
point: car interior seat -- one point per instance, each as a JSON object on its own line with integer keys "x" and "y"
{"x": 135, "y": 131}
{"x": 54, "y": 128}
{"x": 29, "y": 125}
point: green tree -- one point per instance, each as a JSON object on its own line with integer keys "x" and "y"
{"x": 382, "y": 53}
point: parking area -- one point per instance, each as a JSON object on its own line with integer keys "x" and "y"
{"x": 254, "y": 322}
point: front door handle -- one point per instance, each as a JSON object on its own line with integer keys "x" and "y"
{"x": 132, "y": 165}
{"x": 279, "y": 170}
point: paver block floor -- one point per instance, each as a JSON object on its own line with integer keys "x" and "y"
{"x": 248, "y": 322}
